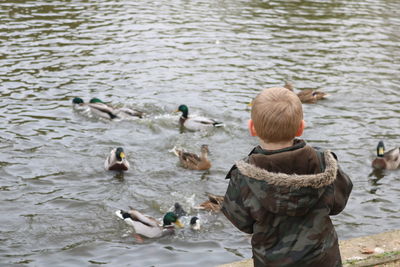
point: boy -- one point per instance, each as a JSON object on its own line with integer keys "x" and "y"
{"x": 285, "y": 190}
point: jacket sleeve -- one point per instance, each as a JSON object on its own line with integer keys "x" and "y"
{"x": 342, "y": 189}
{"x": 233, "y": 206}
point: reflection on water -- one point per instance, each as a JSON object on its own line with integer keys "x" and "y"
{"x": 56, "y": 199}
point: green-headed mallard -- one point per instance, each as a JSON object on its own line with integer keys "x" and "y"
{"x": 191, "y": 160}
{"x": 116, "y": 160}
{"x": 195, "y": 123}
{"x": 389, "y": 160}
{"x": 214, "y": 203}
{"x": 307, "y": 95}
{"x": 93, "y": 109}
{"x": 122, "y": 113}
{"x": 147, "y": 226}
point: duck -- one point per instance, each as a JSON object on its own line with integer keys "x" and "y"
{"x": 214, "y": 203}
{"x": 147, "y": 226}
{"x": 308, "y": 95}
{"x": 389, "y": 160}
{"x": 191, "y": 160}
{"x": 116, "y": 160}
{"x": 178, "y": 210}
{"x": 93, "y": 109}
{"x": 195, "y": 123}
{"x": 195, "y": 223}
{"x": 122, "y": 113}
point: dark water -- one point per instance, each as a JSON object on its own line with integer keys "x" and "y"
{"x": 56, "y": 200}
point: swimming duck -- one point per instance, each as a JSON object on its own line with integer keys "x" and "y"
{"x": 195, "y": 223}
{"x": 307, "y": 95}
{"x": 195, "y": 123}
{"x": 122, "y": 113}
{"x": 116, "y": 160}
{"x": 178, "y": 210}
{"x": 148, "y": 226}
{"x": 389, "y": 160}
{"x": 94, "y": 109}
{"x": 191, "y": 160}
{"x": 214, "y": 203}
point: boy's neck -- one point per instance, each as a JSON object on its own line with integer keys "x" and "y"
{"x": 275, "y": 145}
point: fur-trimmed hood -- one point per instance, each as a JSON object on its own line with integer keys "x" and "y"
{"x": 288, "y": 194}
{"x": 293, "y": 181}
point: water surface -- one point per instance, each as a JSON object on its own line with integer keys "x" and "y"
{"x": 56, "y": 200}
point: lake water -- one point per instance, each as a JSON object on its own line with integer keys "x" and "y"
{"x": 57, "y": 203}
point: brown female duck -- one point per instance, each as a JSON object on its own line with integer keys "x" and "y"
{"x": 308, "y": 95}
{"x": 214, "y": 203}
{"x": 192, "y": 161}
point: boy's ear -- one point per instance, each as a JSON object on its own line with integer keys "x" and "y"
{"x": 252, "y": 130}
{"x": 301, "y": 128}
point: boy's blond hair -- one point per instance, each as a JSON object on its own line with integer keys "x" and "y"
{"x": 277, "y": 114}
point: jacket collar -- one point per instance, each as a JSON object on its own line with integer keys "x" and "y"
{"x": 297, "y": 143}
{"x": 292, "y": 180}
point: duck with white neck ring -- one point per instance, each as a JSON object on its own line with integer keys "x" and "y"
{"x": 116, "y": 160}
{"x": 196, "y": 123}
{"x": 389, "y": 160}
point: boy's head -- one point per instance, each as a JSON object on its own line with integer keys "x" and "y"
{"x": 276, "y": 115}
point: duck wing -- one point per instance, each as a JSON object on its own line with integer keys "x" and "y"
{"x": 199, "y": 122}
{"x": 392, "y": 158}
{"x": 102, "y": 110}
{"x": 190, "y": 160}
{"x": 128, "y": 112}
{"x": 215, "y": 198}
{"x": 142, "y": 224}
{"x": 189, "y": 157}
{"x": 110, "y": 159}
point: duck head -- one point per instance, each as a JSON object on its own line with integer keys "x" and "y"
{"x": 184, "y": 109}
{"x": 119, "y": 153}
{"x": 95, "y": 100}
{"x": 77, "y": 100}
{"x": 204, "y": 149}
{"x": 170, "y": 218}
{"x": 195, "y": 223}
{"x": 379, "y": 162}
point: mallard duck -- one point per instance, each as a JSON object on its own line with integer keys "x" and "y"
{"x": 389, "y": 160}
{"x": 195, "y": 223}
{"x": 307, "y": 95}
{"x": 147, "y": 226}
{"x": 191, "y": 160}
{"x": 214, "y": 203}
{"x": 116, "y": 160}
{"x": 195, "y": 123}
{"x": 122, "y": 113}
{"x": 93, "y": 109}
{"x": 178, "y": 210}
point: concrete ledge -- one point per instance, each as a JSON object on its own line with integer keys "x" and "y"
{"x": 374, "y": 250}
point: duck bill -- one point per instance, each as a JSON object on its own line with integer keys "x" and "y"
{"x": 122, "y": 155}
{"x": 381, "y": 151}
{"x": 179, "y": 224}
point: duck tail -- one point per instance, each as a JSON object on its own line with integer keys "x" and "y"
{"x": 218, "y": 124}
{"x": 122, "y": 214}
{"x": 112, "y": 116}
{"x": 175, "y": 151}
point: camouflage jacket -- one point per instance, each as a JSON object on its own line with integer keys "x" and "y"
{"x": 284, "y": 198}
